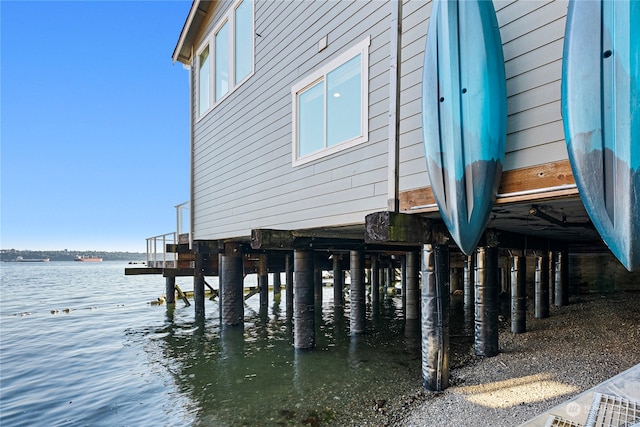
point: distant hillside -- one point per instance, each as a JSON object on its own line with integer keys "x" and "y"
{"x": 65, "y": 255}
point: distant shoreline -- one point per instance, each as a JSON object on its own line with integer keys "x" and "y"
{"x": 9, "y": 255}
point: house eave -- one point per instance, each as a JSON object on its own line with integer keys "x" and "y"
{"x": 197, "y": 15}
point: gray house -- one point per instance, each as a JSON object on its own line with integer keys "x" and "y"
{"x": 307, "y": 155}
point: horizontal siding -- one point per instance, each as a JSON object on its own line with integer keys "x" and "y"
{"x": 243, "y": 177}
{"x": 532, "y": 33}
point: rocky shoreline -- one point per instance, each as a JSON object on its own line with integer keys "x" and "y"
{"x": 577, "y": 347}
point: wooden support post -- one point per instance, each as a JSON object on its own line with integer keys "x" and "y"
{"x": 338, "y": 281}
{"x": 469, "y": 283}
{"x": 412, "y": 297}
{"x": 456, "y": 279}
{"x": 231, "y": 297}
{"x": 317, "y": 283}
{"x": 263, "y": 281}
{"x": 562, "y": 278}
{"x": 277, "y": 284}
{"x": 288, "y": 266}
{"x": 358, "y": 307}
{"x": 542, "y": 286}
{"x": 435, "y": 317}
{"x": 170, "y": 289}
{"x": 403, "y": 284}
{"x": 486, "y": 302}
{"x": 304, "y": 318}
{"x": 375, "y": 281}
{"x": 518, "y": 294}
{"x": 198, "y": 283}
{"x": 389, "y": 271}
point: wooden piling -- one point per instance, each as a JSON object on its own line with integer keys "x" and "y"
{"x": 357, "y": 291}
{"x": 542, "y": 286}
{"x": 231, "y": 297}
{"x": 435, "y": 317}
{"x": 263, "y": 281}
{"x": 518, "y": 294}
{"x": 198, "y": 283}
{"x": 469, "y": 283}
{"x": 170, "y": 289}
{"x": 375, "y": 281}
{"x": 487, "y": 282}
{"x": 288, "y": 286}
{"x": 562, "y": 278}
{"x": 338, "y": 281}
{"x": 412, "y": 297}
{"x": 304, "y": 316}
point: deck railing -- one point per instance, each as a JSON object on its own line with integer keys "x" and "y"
{"x": 159, "y": 257}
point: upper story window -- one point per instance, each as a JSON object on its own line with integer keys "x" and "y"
{"x": 225, "y": 57}
{"x": 330, "y": 106}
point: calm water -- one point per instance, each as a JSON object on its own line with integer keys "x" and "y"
{"x": 81, "y": 345}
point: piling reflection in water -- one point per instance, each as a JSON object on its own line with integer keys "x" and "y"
{"x": 251, "y": 373}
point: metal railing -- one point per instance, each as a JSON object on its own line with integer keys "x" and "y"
{"x": 182, "y": 214}
{"x": 161, "y": 258}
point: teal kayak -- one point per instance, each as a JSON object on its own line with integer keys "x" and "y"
{"x": 464, "y": 115}
{"x": 601, "y": 114}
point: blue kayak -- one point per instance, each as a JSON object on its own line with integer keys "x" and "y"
{"x": 464, "y": 115}
{"x": 601, "y": 113}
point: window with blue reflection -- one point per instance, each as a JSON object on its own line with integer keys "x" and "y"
{"x": 311, "y": 120}
{"x": 344, "y": 102}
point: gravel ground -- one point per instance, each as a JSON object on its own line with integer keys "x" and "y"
{"x": 577, "y": 347}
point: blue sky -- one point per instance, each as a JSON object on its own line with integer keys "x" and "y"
{"x": 94, "y": 123}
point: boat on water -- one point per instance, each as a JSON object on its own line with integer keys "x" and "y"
{"x": 21, "y": 259}
{"x": 83, "y": 258}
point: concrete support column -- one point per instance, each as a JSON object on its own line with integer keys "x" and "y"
{"x": 562, "y": 278}
{"x": 338, "y": 281}
{"x": 263, "y": 281}
{"x": 288, "y": 284}
{"x": 518, "y": 294}
{"x": 304, "y": 328}
{"x": 542, "y": 286}
{"x": 198, "y": 282}
{"x": 358, "y": 306}
{"x": 231, "y": 276}
{"x": 487, "y": 282}
{"x": 170, "y": 289}
{"x": 412, "y": 291}
{"x": 435, "y": 317}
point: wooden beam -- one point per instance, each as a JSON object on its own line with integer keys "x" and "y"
{"x": 393, "y": 227}
{"x": 544, "y": 181}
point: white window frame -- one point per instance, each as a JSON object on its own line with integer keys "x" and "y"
{"x": 209, "y": 40}
{"x": 362, "y": 49}
{"x": 210, "y": 95}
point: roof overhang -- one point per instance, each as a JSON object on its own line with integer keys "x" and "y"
{"x": 197, "y": 15}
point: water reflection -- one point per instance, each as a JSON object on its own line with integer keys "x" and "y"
{"x": 251, "y": 375}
